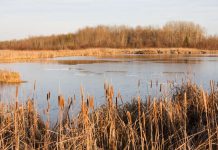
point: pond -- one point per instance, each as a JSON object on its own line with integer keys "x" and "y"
{"x": 132, "y": 75}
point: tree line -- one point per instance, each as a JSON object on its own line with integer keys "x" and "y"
{"x": 172, "y": 34}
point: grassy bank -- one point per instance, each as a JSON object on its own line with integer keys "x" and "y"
{"x": 187, "y": 120}
{"x": 9, "y": 77}
{"x": 30, "y": 55}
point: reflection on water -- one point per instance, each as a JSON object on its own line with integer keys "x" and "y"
{"x": 76, "y": 62}
{"x": 66, "y": 75}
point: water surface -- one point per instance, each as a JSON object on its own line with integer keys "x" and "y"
{"x": 130, "y": 74}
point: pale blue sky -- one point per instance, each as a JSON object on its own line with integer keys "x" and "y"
{"x": 24, "y": 18}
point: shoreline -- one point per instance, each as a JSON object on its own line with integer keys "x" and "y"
{"x": 7, "y": 56}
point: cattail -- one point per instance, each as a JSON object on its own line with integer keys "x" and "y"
{"x": 84, "y": 110}
{"x": 87, "y": 101}
{"x": 185, "y": 123}
{"x": 91, "y": 102}
{"x": 212, "y": 86}
{"x": 185, "y": 100}
{"x": 105, "y": 85}
{"x": 16, "y": 105}
{"x": 29, "y": 105}
{"x": 69, "y": 100}
{"x": 61, "y": 102}
{"x": 106, "y": 92}
{"x": 154, "y": 107}
{"x": 111, "y": 89}
{"x": 148, "y": 101}
{"x": 16, "y": 92}
{"x": 35, "y": 85}
{"x": 116, "y": 103}
{"x": 160, "y": 87}
{"x": 129, "y": 117}
{"x": 82, "y": 93}
{"x": 139, "y": 107}
{"x": 74, "y": 99}
{"x": 16, "y": 102}
{"x": 118, "y": 94}
{"x": 143, "y": 120}
{"x": 205, "y": 101}
{"x": 48, "y": 95}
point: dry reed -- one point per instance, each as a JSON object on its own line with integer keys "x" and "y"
{"x": 9, "y": 77}
{"x": 32, "y": 55}
{"x": 187, "y": 120}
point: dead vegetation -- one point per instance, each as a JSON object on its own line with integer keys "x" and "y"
{"x": 9, "y": 77}
{"x": 30, "y": 55}
{"x": 187, "y": 120}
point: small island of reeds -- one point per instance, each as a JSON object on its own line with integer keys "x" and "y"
{"x": 9, "y": 77}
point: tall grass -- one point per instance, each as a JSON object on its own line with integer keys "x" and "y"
{"x": 186, "y": 120}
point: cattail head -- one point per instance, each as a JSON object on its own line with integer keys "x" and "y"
{"x": 91, "y": 102}
{"x": 116, "y": 103}
{"x": 16, "y": 92}
{"x": 87, "y": 101}
{"x": 61, "y": 102}
{"x": 69, "y": 100}
{"x": 48, "y": 95}
{"x": 29, "y": 105}
{"x": 118, "y": 94}
{"x": 74, "y": 99}
{"x": 47, "y": 124}
{"x": 34, "y": 85}
{"x": 143, "y": 120}
{"x": 205, "y": 101}
{"x": 82, "y": 93}
{"x": 112, "y": 91}
{"x": 129, "y": 117}
{"x": 105, "y": 85}
{"x": 84, "y": 111}
{"x": 160, "y": 87}
{"x": 212, "y": 83}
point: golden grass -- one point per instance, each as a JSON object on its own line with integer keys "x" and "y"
{"x": 17, "y": 55}
{"x": 187, "y": 120}
{"x": 9, "y": 77}
{"x": 29, "y": 55}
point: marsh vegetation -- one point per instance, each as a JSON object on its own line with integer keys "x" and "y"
{"x": 185, "y": 120}
{"x": 9, "y": 77}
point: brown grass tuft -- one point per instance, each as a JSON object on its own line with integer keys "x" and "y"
{"x": 9, "y": 77}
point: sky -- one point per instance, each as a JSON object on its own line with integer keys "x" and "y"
{"x": 24, "y": 18}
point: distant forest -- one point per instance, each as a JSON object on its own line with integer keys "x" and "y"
{"x": 172, "y": 34}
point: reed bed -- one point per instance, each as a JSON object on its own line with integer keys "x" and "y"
{"x": 186, "y": 120}
{"x": 30, "y": 55}
{"x": 9, "y": 77}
